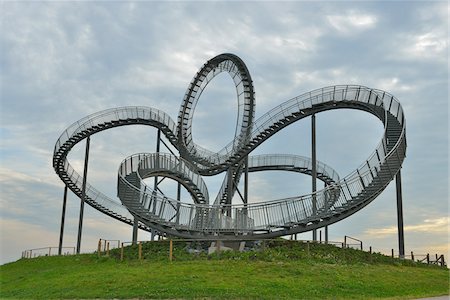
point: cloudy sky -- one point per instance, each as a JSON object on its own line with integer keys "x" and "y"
{"x": 61, "y": 61}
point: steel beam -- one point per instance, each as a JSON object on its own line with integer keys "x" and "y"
{"x": 83, "y": 194}
{"x": 246, "y": 181}
{"x": 314, "y": 169}
{"x": 327, "y": 208}
{"x": 401, "y": 236}
{"x": 63, "y": 216}
{"x": 178, "y": 203}
{"x": 155, "y": 185}
{"x": 135, "y": 231}
{"x": 229, "y": 191}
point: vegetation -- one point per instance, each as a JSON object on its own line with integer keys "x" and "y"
{"x": 274, "y": 270}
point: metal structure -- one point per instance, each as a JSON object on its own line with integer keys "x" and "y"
{"x": 146, "y": 207}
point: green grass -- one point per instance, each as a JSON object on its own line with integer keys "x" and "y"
{"x": 283, "y": 270}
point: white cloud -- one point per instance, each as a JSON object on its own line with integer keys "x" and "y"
{"x": 352, "y": 22}
{"x": 430, "y": 226}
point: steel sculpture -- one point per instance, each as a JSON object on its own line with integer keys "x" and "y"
{"x": 149, "y": 209}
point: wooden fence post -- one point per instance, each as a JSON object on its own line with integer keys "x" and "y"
{"x": 107, "y": 248}
{"x": 99, "y": 248}
{"x": 428, "y": 258}
{"x": 170, "y": 250}
{"x": 412, "y": 256}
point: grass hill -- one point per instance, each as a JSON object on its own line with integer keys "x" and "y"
{"x": 274, "y": 270}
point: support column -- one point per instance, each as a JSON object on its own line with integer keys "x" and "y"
{"x": 246, "y": 181}
{"x": 327, "y": 208}
{"x": 83, "y": 194}
{"x": 63, "y": 216}
{"x": 135, "y": 231}
{"x": 178, "y": 202}
{"x": 401, "y": 237}
{"x": 155, "y": 185}
{"x": 314, "y": 169}
{"x": 229, "y": 191}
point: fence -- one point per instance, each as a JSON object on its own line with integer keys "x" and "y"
{"x": 309, "y": 247}
{"x": 106, "y": 245}
{"x": 46, "y": 251}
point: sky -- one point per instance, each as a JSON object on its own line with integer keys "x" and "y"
{"x": 61, "y": 61}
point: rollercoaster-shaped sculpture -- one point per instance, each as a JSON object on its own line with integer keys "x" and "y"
{"x": 202, "y": 219}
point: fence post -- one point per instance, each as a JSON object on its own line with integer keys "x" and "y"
{"x": 412, "y": 256}
{"x": 170, "y": 250}
{"x": 140, "y": 250}
{"x": 99, "y": 247}
{"x": 345, "y": 242}
{"x": 428, "y": 258}
{"x": 121, "y": 253}
{"x": 107, "y": 248}
{"x": 442, "y": 260}
{"x": 370, "y": 253}
{"x": 392, "y": 253}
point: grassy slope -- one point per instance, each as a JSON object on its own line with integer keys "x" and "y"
{"x": 270, "y": 274}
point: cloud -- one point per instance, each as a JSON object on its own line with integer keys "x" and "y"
{"x": 430, "y": 226}
{"x": 352, "y": 22}
{"x": 18, "y": 236}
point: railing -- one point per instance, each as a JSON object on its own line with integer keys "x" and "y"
{"x": 146, "y": 164}
{"x": 47, "y": 251}
{"x": 360, "y": 243}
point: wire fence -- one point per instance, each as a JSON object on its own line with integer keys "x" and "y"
{"x": 165, "y": 248}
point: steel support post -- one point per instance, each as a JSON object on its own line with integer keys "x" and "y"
{"x": 401, "y": 237}
{"x": 229, "y": 191}
{"x": 63, "y": 217}
{"x": 83, "y": 194}
{"x": 135, "y": 231}
{"x": 246, "y": 181}
{"x": 314, "y": 170}
{"x": 155, "y": 185}
{"x": 178, "y": 203}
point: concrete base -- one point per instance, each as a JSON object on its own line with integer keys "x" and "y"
{"x": 226, "y": 246}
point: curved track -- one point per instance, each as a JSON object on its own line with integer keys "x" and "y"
{"x": 340, "y": 199}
